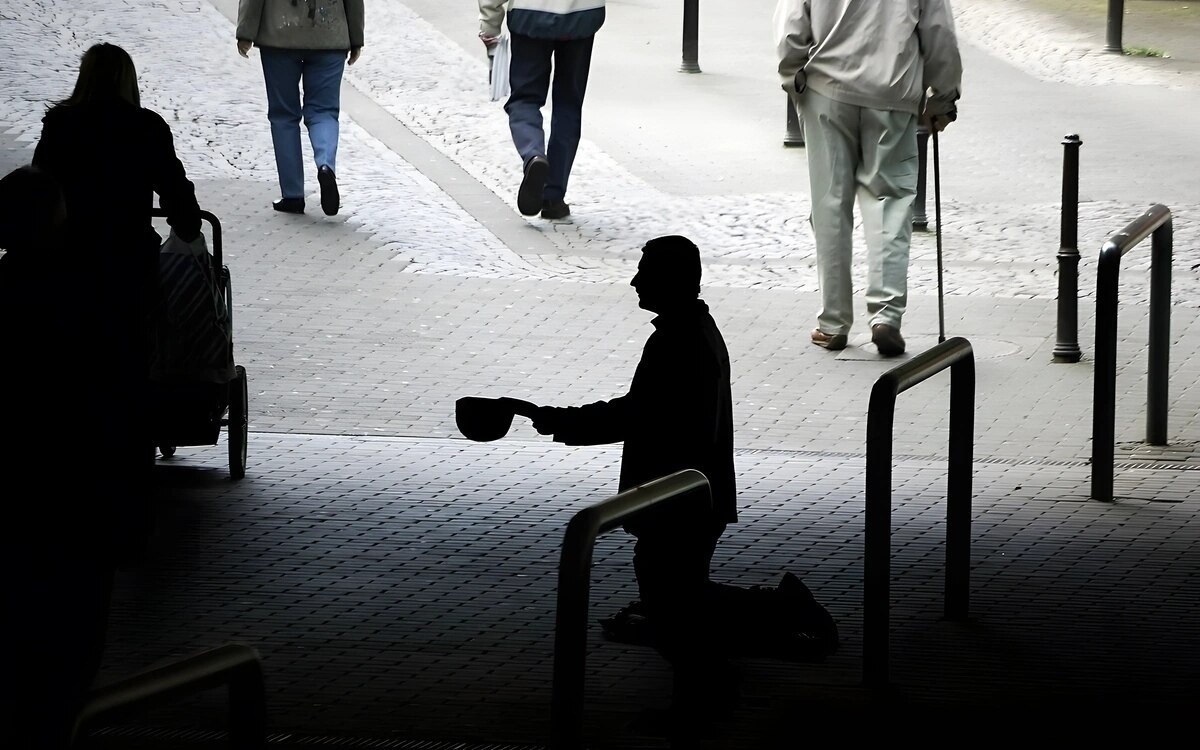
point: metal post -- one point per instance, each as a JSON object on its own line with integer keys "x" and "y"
{"x": 570, "y": 635}
{"x": 958, "y": 490}
{"x": 691, "y": 37}
{"x": 920, "y": 219}
{"x": 1160, "y": 334}
{"x": 1066, "y": 348}
{"x": 1104, "y": 387}
{"x": 248, "y": 709}
{"x": 957, "y": 355}
{"x": 574, "y": 573}
{"x": 232, "y": 665}
{"x": 1116, "y": 16}
{"x": 795, "y": 127}
{"x": 1154, "y": 223}
{"x": 877, "y": 557}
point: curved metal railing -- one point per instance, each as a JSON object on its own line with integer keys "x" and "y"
{"x": 1154, "y": 223}
{"x": 232, "y": 665}
{"x": 957, "y": 355}
{"x": 574, "y": 585}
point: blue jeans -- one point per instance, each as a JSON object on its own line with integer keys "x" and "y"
{"x": 529, "y": 81}
{"x": 321, "y": 72}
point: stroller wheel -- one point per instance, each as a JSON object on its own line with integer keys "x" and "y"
{"x": 239, "y": 423}
{"x": 166, "y": 450}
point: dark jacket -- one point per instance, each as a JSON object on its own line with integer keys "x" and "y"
{"x": 307, "y": 24}
{"x": 110, "y": 158}
{"x": 50, "y": 332}
{"x": 678, "y": 413}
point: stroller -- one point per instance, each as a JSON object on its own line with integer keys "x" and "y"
{"x": 196, "y": 387}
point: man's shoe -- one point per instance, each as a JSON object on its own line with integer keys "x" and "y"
{"x": 555, "y": 210}
{"x": 330, "y": 199}
{"x": 813, "y": 620}
{"x": 887, "y": 339}
{"x": 289, "y": 205}
{"x": 832, "y": 341}
{"x": 529, "y": 197}
{"x": 630, "y": 625}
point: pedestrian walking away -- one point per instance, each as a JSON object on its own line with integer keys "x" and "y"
{"x": 309, "y": 42}
{"x": 111, "y": 157}
{"x": 545, "y": 36}
{"x": 863, "y": 73}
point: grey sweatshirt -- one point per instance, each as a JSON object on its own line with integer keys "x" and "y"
{"x": 301, "y": 24}
{"x": 882, "y": 54}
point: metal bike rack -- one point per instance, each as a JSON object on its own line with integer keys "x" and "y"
{"x": 232, "y": 665}
{"x": 1154, "y": 223}
{"x": 574, "y": 583}
{"x": 957, "y": 355}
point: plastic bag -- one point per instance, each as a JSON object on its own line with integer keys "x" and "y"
{"x": 193, "y": 336}
{"x": 501, "y": 57}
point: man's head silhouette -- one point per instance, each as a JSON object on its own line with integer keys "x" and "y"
{"x": 668, "y": 275}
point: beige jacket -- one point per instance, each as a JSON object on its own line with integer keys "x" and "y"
{"x": 882, "y": 54}
{"x": 491, "y": 16}
{"x": 301, "y": 24}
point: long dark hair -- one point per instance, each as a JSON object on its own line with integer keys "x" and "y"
{"x": 105, "y": 72}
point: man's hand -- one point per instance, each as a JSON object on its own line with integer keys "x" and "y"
{"x": 354, "y": 54}
{"x": 545, "y": 420}
{"x": 938, "y": 123}
{"x": 244, "y": 46}
{"x": 488, "y": 41}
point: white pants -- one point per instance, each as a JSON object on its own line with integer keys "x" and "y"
{"x": 872, "y": 153}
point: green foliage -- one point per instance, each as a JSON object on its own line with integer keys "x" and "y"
{"x": 1144, "y": 52}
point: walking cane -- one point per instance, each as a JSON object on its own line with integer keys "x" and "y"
{"x": 937, "y": 217}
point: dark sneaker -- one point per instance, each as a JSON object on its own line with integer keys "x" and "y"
{"x": 630, "y": 626}
{"x": 832, "y": 341}
{"x": 887, "y": 339}
{"x": 555, "y": 210}
{"x": 330, "y": 199}
{"x": 289, "y": 205}
{"x": 529, "y": 197}
{"x": 810, "y": 618}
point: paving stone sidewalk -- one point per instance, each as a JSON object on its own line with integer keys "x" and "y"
{"x": 404, "y": 589}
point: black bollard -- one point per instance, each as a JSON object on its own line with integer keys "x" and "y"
{"x": 691, "y": 37}
{"x": 920, "y": 219}
{"x": 1116, "y": 17}
{"x": 1066, "y": 347}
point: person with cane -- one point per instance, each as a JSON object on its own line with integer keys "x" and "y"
{"x": 863, "y": 73}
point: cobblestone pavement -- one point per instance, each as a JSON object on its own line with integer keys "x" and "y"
{"x": 754, "y": 238}
{"x": 345, "y": 554}
{"x": 405, "y": 589}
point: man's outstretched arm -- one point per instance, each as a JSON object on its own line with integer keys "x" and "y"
{"x": 592, "y": 424}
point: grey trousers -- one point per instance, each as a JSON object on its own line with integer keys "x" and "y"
{"x": 871, "y": 154}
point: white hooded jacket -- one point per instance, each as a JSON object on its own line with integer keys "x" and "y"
{"x": 542, "y": 19}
